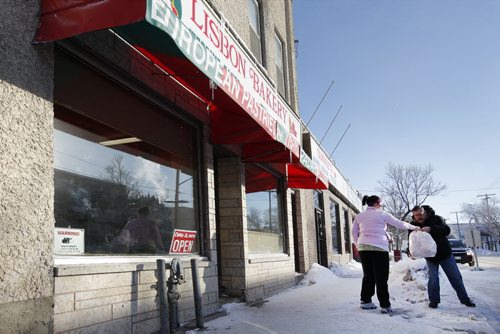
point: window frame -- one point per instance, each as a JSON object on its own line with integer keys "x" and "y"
{"x": 111, "y": 72}
{"x": 260, "y": 34}
{"x": 278, "y": 39}
{"x": 282, "y": 210}
{"x": 336, "y": 248}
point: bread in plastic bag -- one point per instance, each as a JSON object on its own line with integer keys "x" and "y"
{"x": 422, "y": 245}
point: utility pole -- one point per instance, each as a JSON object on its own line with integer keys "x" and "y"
{"x": 474, "y": 244}
{"x": 486, "y": 197}
{"x": 458, "y": 225}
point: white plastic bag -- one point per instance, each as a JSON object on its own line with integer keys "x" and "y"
{"x": 422, "y": 245}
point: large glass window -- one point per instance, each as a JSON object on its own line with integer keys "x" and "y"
{"x": 127, "y": 194}
{"x": 334, "y": 219}
{"x": 264, "y": 218}
{"x": 347, "y": 231}
{"x": 255, "y": 31}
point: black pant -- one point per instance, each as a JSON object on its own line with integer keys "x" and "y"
{"x": 375, "y": 273}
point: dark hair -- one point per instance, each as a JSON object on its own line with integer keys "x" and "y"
{"x": 144, "y": 211}
{"x": 370, "y": 200}
{"x": 429, "y": 210}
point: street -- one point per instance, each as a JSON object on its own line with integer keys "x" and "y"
{"x": 477, "y": 284}
{"x": 327, "y": 302}
{"x": 489, "y": 262}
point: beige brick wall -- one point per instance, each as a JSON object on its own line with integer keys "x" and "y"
{"x": 310, "y": 225}
{"x": 122, "y": 299}
{"x": 232, "y": 228}
{"x": 250, "y": 277}
{"x": 304, "y": 217}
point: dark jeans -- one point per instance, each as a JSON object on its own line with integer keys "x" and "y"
{"x": 375, "y": 273}
{"x": 452, "y": 272}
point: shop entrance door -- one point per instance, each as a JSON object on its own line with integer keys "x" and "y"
{"x": 321, "y": 238}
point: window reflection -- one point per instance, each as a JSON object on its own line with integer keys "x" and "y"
{"x": 334, "y": 211}
{"x": 126, "y": 203}
{"x": 264, "y": 218}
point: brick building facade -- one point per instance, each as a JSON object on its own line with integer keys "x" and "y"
{"x": 99, "y": 124}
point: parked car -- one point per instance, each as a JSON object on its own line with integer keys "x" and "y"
{"x": 462, "y": 253}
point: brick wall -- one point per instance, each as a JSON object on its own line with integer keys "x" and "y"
{"x": 123, "y": 298}
{"x": 250, "y": 277}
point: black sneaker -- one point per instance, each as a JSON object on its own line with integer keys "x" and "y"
{"x": 469, "y": 304}
{"x": 433, "y": 304}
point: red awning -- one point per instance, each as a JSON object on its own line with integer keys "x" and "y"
{"x": 63, "y": 19}
{"x": 262, "y": 139}
{"x": 258, "y": 179}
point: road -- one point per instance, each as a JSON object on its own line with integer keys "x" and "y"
{"x": 489, "y": 262}
{"x": 483, "y": 290}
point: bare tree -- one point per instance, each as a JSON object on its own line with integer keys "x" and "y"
{"x": 405, "y": 187}
{"x": 254, "y": 219}
{"x": 486, "y": 214}
{"x": 117, "y": 173}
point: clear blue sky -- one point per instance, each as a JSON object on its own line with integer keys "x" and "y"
{"x": 419, "y": 82}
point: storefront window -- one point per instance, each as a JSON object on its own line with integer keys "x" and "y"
{"x": 347, "y": 231}
{"x": 265, "y": 226}
{"x": 334, "y": 212}
{"x": 124, "y": 193}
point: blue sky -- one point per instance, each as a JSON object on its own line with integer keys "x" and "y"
{"x": 419, "y": 82}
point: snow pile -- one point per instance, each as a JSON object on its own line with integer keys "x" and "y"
{"x": 408, "y": 280}
{"x": 351, "y": 269}
{"x": 317, "y": 274}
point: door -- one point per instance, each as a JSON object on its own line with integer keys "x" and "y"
{"x": 321, "y": 238}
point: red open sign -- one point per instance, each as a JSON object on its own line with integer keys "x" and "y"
{"x": 182, "y": 242}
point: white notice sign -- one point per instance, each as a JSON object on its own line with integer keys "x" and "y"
{"x": 69, "y": 241}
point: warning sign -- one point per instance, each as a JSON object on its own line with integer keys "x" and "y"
{"x": 182, "y": 242}
{"x": 69, "y": 241}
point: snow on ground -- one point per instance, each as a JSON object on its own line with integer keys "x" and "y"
{"x": 327, "y": 301}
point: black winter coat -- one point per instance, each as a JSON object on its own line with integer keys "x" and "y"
{"x": 439, "y": 232}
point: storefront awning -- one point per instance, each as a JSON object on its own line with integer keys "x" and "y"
{"x": 190, "y": 42}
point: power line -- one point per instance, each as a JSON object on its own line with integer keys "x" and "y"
{"x": 472, "y": 189}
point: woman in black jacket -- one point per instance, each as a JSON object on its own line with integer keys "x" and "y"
{"x": 425, "y": 217}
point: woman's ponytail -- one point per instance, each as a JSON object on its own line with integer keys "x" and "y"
{"x": 370, "y": 200}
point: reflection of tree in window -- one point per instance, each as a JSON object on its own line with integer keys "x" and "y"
{"x": 117, "y": 173}
{"x": 265, "y": 231}
{"x": 99, "y": 190}
{"x": 334, "y": 211}
{"x": 263, "y": 211}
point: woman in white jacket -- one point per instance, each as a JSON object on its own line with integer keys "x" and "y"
{"x": 369, "y": 234}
